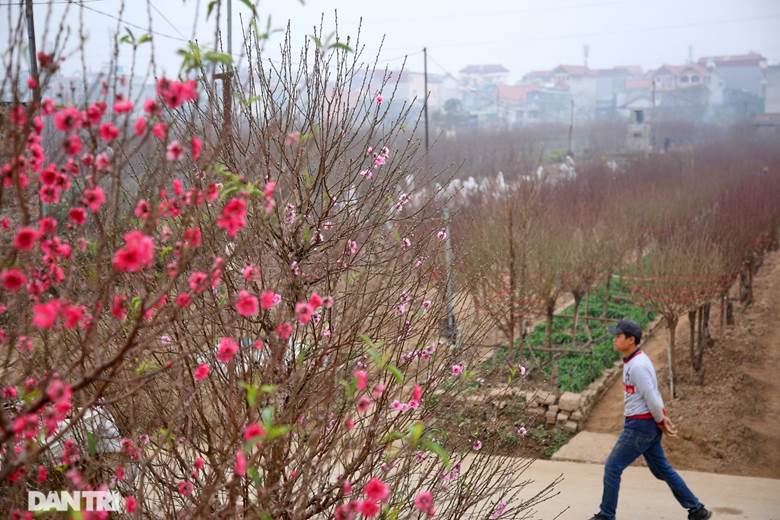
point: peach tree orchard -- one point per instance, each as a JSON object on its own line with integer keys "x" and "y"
{"x": 226, "y": 309}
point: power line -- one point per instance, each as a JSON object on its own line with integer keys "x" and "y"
{"x": 166, "y": 19}
{"x": 448, "y": 73}
{"x": 399, "y": 57}
{"x": 171, "y": 37}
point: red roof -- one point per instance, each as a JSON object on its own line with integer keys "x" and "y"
{"x": 735, "y": 60}
{"x": 676, "y": 70}
{"x": 515, "y": 93}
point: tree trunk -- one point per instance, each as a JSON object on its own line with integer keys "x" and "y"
{"x": 605, "y": 313}
{"x": 587, "y": 317}
{"x": 553, "y": 361}
{"x": 692, "y": 327}
{"x": 549, "y": 331}
{"x": 577, "y": 299}
{"x": 722, "y": 320}
{"x": 729, "y": 312}
{"x": 512, "y": 279}
{"x": 671, "y": 324}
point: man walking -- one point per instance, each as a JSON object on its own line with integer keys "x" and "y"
{"x": 646, "y": 421}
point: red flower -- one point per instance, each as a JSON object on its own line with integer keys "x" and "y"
{"x": 283, "y": 330}
{"x": 45, "y": 314}
{"x": 197, "y": 145}
{"x": 12, "y": 279}
{"x": 304, "y": 312}
{"x": 25, "y": 238}
{"x": 247, "y": 304}
{"x": 174, "y": 151}
{"x": 424, "y": 501}
{"x": 368, "y": 508}
{"x": 253, "y": 431}
{"x": 140, "y": 126}
{"x": 73, "y": 144}
{"x": 67, "y": 119}
{"x": 130, "y": 504}
{"x": 94, "y": 198}
{"x": 108, "y": 132}
{"x": 201, "y": 372}
{"x": 183, "y": 300}
{"x": 227, "y": 349}
{"x": 77, "y": 215}
{"x": 137, "y": 253}
{"x": 376, "y": 490}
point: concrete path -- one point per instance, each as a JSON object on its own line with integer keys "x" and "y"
{"x": 642, "y": 497}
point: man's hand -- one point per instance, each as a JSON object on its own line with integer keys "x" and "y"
{"x": 667, "y": 426}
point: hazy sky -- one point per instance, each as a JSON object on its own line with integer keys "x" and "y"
{"x": 520, "y": 34}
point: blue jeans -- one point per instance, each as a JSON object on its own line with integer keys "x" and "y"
{"x": 641, "y": 437}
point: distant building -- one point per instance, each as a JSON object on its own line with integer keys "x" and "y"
{"x": 513, "y": 106}
{"x": 639, "y": 135}
{"x": 744, "y": 72}
{"x": 772, "y": 90}
{"x": 673, "y": 77}
{"x": 479, "y": 76}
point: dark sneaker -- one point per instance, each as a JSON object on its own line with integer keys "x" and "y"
{"x": 598, "y": 516}
{"x": 700, "y": 514}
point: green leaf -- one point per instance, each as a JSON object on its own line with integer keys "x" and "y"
{"x": 341, "y": 46}
{"x": 218, "y": 57}
{"x": 143, "y": 39}
{"x": 91, "y": 444}
{"x": 399, "y": 377}
{"x": 165, "y": 251}
{"x": 392, "y": 436}
{"x": 268, "y": 389}
{"x": 31, "y": 396}
{"x": 254, "y": 474}
{"x": 135, "y": 303}
{"x": 210, "y": 8}
{"x": 350, "y": 387}
{"x": 416, "y": 431}
{"x": 438, "y": 450}
{"x": 306, "y": 235}
{"x": 317, "y": 41}
{"x": 251, "y": 6}
{"x": 277, "y": 431}
{"x": 251, "y": 393}
{"x": 267, "y": 414}
{"x": 391, "y": 513}
{"x": 145, "y": 366}
{"x": 252, "y": 100}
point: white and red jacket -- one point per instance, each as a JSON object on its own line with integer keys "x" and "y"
{"x": 642, "y": 398}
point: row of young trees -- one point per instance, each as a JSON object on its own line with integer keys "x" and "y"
{"x": 679, "y": 229}
{"x": 226, "y": 306}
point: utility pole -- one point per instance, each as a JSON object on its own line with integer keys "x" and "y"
{"x": 571, "y": 124}
{"x": 227, "y": 85}
{"x": 425, "y": 105}
{"x": 33, "y": 54}
{"x": 653, "y": 120}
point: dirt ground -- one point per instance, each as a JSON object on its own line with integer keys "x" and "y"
{"x": 731, "y": 424}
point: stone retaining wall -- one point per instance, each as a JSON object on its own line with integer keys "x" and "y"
{"x": 568, "y": 411}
